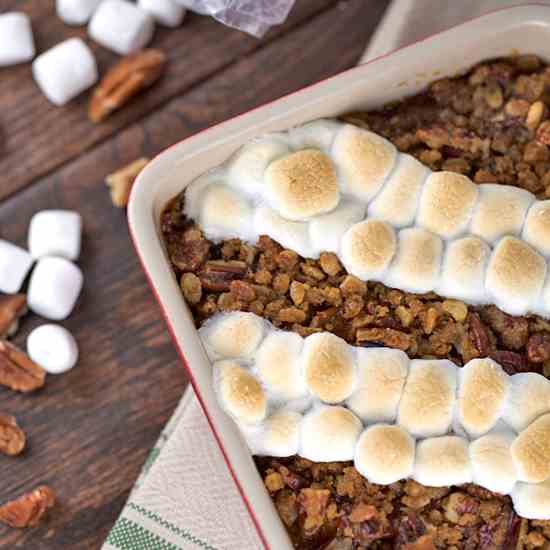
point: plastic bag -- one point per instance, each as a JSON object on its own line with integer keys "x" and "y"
{"x": 255, "y": 17}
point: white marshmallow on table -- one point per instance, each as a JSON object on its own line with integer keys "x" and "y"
{"x": 16, "y": 38}
{"x": 536, "y": 229}
{"x": 53, "y": 348}
{"x": 329, "y": 434}
{"x": 55, "y": 233}
{"x": 66, "y": 70}
{"x": 76, "y": 12}
{"x": 15, "y": 263}
{"x": 318, "y": 134}
{"x": 532, "y": 500}
{"x": 279, "y": 435}
{"x": 531, "y": 451}
{"x": 492, "y": 464}
{"x": 54, "y": 288}
{"x": 381, "y": 377}
{"x": 165, "y": 12}
{"x": 121, "y": 26}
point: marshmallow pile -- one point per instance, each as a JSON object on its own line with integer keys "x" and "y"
{"x": 330, "y": 186}
{"x": 396, "y": 418}
{"x": 54, "y": 286}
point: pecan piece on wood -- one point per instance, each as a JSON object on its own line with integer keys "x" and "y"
{"x": 12, "y": 307}
{"x": 12, "y": 437}
{"x": 28, "y": 509}
{"x": 18, "y": 371}
{"x": 121, "y": 181}
{"x": 218, "y": 274}
{"x": 128, "y": 77}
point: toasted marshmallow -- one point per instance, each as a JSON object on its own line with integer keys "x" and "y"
{"x": 368, "y": 248}
{"x": 292, "y": 235}
{"x": 532, "y": 500}
{"x": 482, "y": 393}
{"x": 247, "y": 166}
{"x": 235, "y": 334}
{"x": 492, "y": 464}
{"x": 531, "y": 451}
{"x": 318, "y": 134}
{"x": 225, "y": 214}
{"x": 329, "y": 367}
{"x": 463, "y": 272}
{"x": 515, "y": 276}
{"x": 417, "y": 263}
{"x": 427, "y": 402}
{"x": 500, "y": 211}
{"x": 363, "y": 160}
{"x": 279, "y": 435}
{"x": 239, "y": 392}
{"x": 536, "y": 230}
{"x": 446, "y": 203}
{"x": 381, "y": 374}
{"x": 397, "y": 201}
{"x": 385, "y": 454}
{"x": 302, "y": 185}
{"x": 326, "y": 231}
{"x": 279, "y": 367}
{"x": 329, "y": 434}
{"x": 442, "y": 461}
{"x": 529, "y": 398}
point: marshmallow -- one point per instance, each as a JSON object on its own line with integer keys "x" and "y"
{"x": 239, "y": 392}
{"x": 529, "y": 398}
{"x": 381, "y": 376}
{"x": 326, "y": 231}
{"x": 446, "y": 203}
{"x": 302, "y": 185}
{"x": 363, "y": 161}
{"x": 318, "y": 134}
{"x": 329, "y": 434}
{"x": 428, "y": 399}
{"x": 442, "y": 461}
{"x": 397, "y": 202}
{"x": 463, "y": 271}
{"x": 384, "y": 454}
{"x": 329, "y": 367}
{"x": 532, "y": 500}
{"x": 55, "y": 233}
{"x": 500, "y": 211}
{"x": 482, "y": 393}
{"x": 121, "y": 26}
{"x": 14, "y": 266}
{"x": 515, "y": 276}
{"x": 418, "y": 261}
{"x": 279, "y": 435}
{"x": 16, "y": 39}
{"x": 197, "y": 189}
{"x": 492, "y": 464}
{"x": 54, "y": 288}
{"x": 236, "y": 334}
{"x": 531, "y": 451}
{"x": 536, "y": 230}
{"x": 165, "y": 12}
{"x": 76, "y": 12}
{"x": 368, "y": 248}
{"x": 65, "y": 70}
{"x": 53, "y": 348}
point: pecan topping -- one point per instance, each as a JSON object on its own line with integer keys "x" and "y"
{"x": 218, "y": 274}
{"x": 28, "y": 509}
{"x": 129, "y": 76}
{"x": 17, "y": 370}
{"x": 11, "y": 308}
{"x": 121, "y": 181}
{"x": 538, "y": 347}
{"x": 12, "y": 438}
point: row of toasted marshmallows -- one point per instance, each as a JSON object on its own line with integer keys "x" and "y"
{"x": 329, "y": 186}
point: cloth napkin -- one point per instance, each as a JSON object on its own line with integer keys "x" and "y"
{"x": 185, "y": 498}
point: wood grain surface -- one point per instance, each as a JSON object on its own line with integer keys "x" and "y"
{"x": 89, "y": 431}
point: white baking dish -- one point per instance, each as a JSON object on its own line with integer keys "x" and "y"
{"x": 399, "y": 74}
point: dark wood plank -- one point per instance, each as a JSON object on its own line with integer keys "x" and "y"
{"x": 36, "y": 137}
{"x": 90, "y": 430}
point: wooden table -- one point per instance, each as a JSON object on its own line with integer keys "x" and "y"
{"x": 89, "y": 431}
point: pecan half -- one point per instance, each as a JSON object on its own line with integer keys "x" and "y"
{"x": 12, "y": 438}
{"x": 12, "y": 307}
{"x": 121, "y": 181}
{"x": 18, "y": 371}
{"x": 218, "y": 274}
{"x": 129, "y": 76}
{"x": 28, "y": 509}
